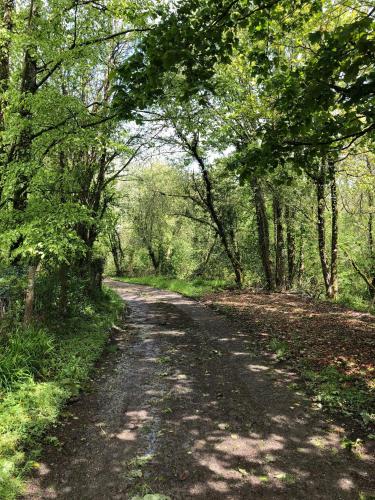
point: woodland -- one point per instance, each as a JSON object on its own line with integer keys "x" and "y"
{"x": 202, "y": 144}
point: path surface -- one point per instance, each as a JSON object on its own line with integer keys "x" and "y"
{"x": 184, "y": 409}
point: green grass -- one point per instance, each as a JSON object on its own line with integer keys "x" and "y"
{"x": 357, "y": 303}
{"x": 194, "y": 288}
{"x": 280, "y": 348}
{"x": 40, "y": 369}
{"x": 346, "y": 394}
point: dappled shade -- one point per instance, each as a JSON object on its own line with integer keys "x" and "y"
{"x": 186, "y": 409}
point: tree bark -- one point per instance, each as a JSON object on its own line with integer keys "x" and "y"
{"x": 279, "y": 243}
{"x": 6, "y": 14}
{"x": 301, "y": 260}
{"x": 154, "y": 259}
{"x": 329, "y": 269}
{"x": 229, "y": 246}
{"x": 21, "y": 150}
{"x": 6, "y": 24}
{"x": 368, "y": 280}
{"x": 371, "y": 289}
{"x": 263, "y": 233}
{"x": 30, "y": 292}
{"x": 117, "y": 253}
{"x": 334, "y": 232}
{"x": 370, "y": 232}
{"x": 320, "y": 193}
{"x": 291, "y": 246}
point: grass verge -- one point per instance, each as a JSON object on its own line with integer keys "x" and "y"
{"x": 40, "y": 369}
{"x": 194, "y": 289}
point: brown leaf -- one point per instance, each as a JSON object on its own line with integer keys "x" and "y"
{"x": 183, "y": 475}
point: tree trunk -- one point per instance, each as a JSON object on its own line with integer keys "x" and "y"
{"x": 263, "y": 232}
{"x": 96, "y": 269}
{"x": 320, "y": 193}
{"x": 368, "y": 280}
{"x": 301, "y": 260}
{"x": 335, "y": 232}
{"x": 6, "y": 24}
{"x": 370, "y": 226}
{"x": 129, "y": 267}
{"x": 279, "y": 243}
{"x": 154, "y": 259}
{"x": 117, "y": 262}
{"x": 291, "y": 246}
{"x": 229, "y": 246}
{"x": 30, "y": 292}
{"x": 371, "y": 289}
{"x": 21, "y": 150}
{"x": 117, "y": 253}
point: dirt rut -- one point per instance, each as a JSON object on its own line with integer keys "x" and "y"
{"x": 184, "y": 408}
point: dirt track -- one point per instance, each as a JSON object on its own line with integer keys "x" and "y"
{"x": 185, "y": 409}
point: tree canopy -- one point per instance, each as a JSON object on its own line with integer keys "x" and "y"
{"x": 222, "y": 140}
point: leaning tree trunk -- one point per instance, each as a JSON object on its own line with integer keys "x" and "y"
{"x": 202, "y": 267}
{"x": 229, "y": 246}
{"x": 279, "y": 243}
{"x": 263, "y": 232}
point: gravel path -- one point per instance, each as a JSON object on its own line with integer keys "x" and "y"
{"x": 184, "y": 408}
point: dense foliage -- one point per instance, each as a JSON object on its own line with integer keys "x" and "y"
{"x": 228, "y": 140}
{"x": 60, "y": 153}
{"x": 274, "y": 104}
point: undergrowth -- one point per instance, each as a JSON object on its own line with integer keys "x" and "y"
{"x": 41, "y": 367}
{"x": 357, "y": 303}
{"x": 338, "y": 392}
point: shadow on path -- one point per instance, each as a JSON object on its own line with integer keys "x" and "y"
{"x": 185, "y": 408}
